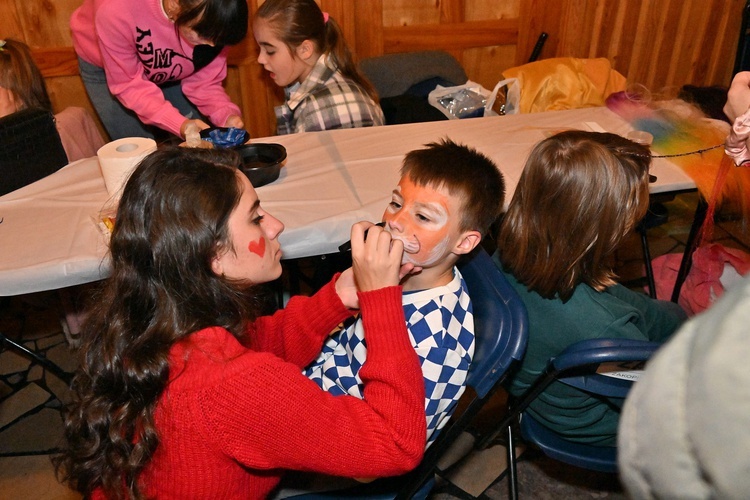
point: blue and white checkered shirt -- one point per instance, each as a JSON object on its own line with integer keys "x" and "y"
{"x": 441, "y": 328}
{"x": 324, "y": 101}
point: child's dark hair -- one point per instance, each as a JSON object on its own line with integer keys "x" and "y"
{"x": 223, "y": 22}
{"x": 465, "y": 172}
{"x": 295, "y": 21}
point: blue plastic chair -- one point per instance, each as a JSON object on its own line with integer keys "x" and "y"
{"x": 576, "y": 366}
{"x": 501, "y": 331}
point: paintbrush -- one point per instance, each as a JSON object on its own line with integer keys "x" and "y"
{"x": 347, "y": 247}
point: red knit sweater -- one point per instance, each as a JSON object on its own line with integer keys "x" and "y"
{"x": 233, "y": 418}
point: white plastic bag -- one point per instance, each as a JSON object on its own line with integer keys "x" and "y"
{"x": 472, "y": 100}
{"x": 502, "y": 100}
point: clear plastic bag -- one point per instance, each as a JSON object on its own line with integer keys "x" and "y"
{"x": 472, "y": 100}
{"x": 463, "y": 103}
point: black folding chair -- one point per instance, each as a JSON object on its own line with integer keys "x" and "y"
{"x": 31, "y": 148}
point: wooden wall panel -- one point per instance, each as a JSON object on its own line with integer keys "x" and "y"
{"x": 481, "y": 34}
{"x": 369, "y": 28}
{"x": 10, "y": 26}
{"x": 644, "y": 44}
{"x": 575, "y": 33}
{"x": 454, "y": 36}
{"x": 537, "y": 16}
{"x": 686, "y": 39}
{"x": 45, "y": 22}
{"x": 661, "y": 44}
{"x": 410, "y": 12}
{"x": 477, "y": 10}
{"x": 69, "y": 91}
{"x": 56, "y": 61}
{"x": 621, "y": 52}
{"x": 701, "y": 27}
{"x": 341, "y": 11}
{"x": 722, "y": 37}
{"x": 485, "y": 65}
{"x": 452, "y": 12}
{"x": 662, "y": 63}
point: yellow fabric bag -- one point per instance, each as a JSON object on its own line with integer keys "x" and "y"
{"x": 565, "y": 83}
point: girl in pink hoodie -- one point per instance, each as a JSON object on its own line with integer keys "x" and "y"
{"x": 158, "y": 62}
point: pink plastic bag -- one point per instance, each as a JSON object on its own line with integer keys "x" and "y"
{"x": 713, "y": 269}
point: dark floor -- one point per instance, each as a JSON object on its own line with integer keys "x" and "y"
{"x": 30, "y": 397}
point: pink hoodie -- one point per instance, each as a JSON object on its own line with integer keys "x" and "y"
{"x": 139, "y": 48}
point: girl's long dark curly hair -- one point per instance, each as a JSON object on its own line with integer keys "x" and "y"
{"x": 171, "y": 222}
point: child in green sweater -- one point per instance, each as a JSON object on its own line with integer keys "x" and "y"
{"x": 579, "y": 195}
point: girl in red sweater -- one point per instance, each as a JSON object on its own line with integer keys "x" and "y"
{"x": 184, "y": 392}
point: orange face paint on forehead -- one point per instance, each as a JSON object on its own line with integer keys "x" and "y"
{"x": 424, "y": 196}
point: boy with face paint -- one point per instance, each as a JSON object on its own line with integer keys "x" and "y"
{"x": 447, "y": 198}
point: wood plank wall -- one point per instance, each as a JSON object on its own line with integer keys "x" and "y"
{"x": 660, "y": 44}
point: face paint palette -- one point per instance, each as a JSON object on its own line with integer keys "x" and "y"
{"x": 261, "y": 163}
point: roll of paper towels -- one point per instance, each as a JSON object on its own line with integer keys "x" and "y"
{"x": 117, "y": 159}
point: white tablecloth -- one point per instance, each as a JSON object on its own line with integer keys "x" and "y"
{"x": 49, "y": 238}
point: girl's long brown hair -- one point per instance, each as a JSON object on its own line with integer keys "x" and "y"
{"x": 20, "y": 75}
{"x": 579, "y": 194}
{"x": 171, "y": 222}
{"x": 295, "y": 21}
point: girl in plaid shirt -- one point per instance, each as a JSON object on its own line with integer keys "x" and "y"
{"x": 304, "y": 51}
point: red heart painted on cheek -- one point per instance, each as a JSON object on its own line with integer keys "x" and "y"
{"x": 258, "y": 247}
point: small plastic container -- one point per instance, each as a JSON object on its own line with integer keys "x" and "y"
{"x": 641, "y": 137}
{"x": 261, "y": 163}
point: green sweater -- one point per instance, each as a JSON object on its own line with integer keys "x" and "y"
{"x": 553, "y": 325}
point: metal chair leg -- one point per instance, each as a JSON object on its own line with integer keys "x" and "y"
{"x": 647, "y": 262}
{"x": 512, "y": 474}
{"x": 687, "y": 257}
{"x": 46, "y": 363}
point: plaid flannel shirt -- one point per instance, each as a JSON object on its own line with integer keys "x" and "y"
{"x": 324, "y": 101}
{"x": 441, "y": 329}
